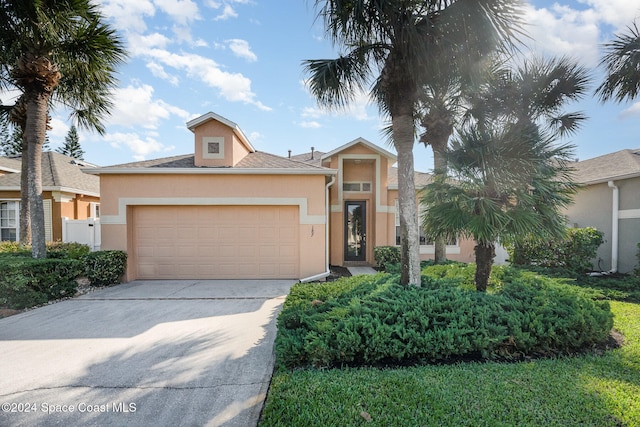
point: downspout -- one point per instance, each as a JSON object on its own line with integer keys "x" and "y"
{"x": 614, "y": 226}
{"x": 326, "y": 237}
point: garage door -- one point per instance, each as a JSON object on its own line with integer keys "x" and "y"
{"x": 216, "y": 242}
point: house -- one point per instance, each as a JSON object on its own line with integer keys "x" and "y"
{"x": 228, "y": 211}
{"x": 68, "y": 192}
{"x": 609, "y": 200}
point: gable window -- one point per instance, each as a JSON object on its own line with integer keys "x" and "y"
{"x": 213, "y": 147}
{"x": 424, "y": 239}
{"x": 357, "y": 187}
{"x": 9, "y": 214}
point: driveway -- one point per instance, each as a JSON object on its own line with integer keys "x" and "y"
{"x": 166, "y": 353}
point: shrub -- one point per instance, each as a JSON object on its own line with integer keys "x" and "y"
{"x": 636, "y": 271}
{"x": 386, "y": 256}
{"x": 104, "y": 268}
{"x": 10, "y": 247}
{"x": 25, "y": 282}
{"x": 375, "y": 320}
{"x": 70, "y": 250}
{"x": 575, "y": 252}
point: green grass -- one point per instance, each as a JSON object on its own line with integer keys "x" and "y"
{"x": 588, "y": 390}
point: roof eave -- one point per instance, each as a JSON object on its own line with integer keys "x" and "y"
{"x": 210, "y": 171}
{"x": 362, "y": 141}
{"x": 613, "y": 178}
{"x": 192, "y": 124}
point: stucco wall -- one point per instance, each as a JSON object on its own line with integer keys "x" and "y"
{"x": 592, "y": 207}
{"x": 306, "y": 191}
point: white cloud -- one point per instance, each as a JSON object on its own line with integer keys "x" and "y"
{"x": 310, "y": 125}
{"x": 618, "y": 13}
{"x": 227, "y": 13}
{"x": 233, "y": 87}
{"x": 181, "y": 11}
{"x": 58, "y": 131}
{"x": 242, "y": 49}
{"x": 633, "y": 111}
{"x": 141, "y": 148}
{"x": 128, "y": 15}
{"x": 158, "y": 71}
{"x": 135, "y": 106}
{"x": 139, "y": 44}
{"x": 562, "y": 31}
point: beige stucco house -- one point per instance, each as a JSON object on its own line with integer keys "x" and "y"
{"x": 229, "y": 211}
{"x": 610, "y": 201}
{"x": 68, "y": 193}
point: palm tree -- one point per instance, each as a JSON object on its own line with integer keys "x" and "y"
{"x": 391, "y": 45}
{"x": 508, "y": 180}
{"x": 622, "y": 63}
{"x": 57, "y": 52}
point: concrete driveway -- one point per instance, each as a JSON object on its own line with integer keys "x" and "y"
{"x": 166, "y": 353}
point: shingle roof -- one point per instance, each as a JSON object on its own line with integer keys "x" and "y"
{"x": 420, "y": 178}
{"x": 59, "y": 172}
{"x": 618, "y": 165}
{"x": 255, "y": 160}
{"x": 10, "y": 164}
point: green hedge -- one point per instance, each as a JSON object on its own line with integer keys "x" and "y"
{"x": 386, "y": 256}
{"x": 575, "y": 252}
{"x": 373, "y": 319}
{"x": 105, "y": 268}
{"x": 25, "y": 282}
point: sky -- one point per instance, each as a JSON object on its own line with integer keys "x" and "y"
{"x": 242, "y": 59}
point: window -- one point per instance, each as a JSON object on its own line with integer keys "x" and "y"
{"x": 9, "y": 214}
{"x": 359, "y": 187}
{"x": 213, "y": 147}
{"x": 424, "y": 239}
{"x": 95, "y": 210}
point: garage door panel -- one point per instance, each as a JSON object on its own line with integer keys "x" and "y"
{"x": 184, "y": 242}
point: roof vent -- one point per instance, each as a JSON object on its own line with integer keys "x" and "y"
{"x": 289, "y": 153}
{"x": 312, "y": 151}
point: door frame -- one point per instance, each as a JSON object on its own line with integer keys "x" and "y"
{"x": 362, "y": 256}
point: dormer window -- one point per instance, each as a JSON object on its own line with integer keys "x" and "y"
{"x": 213, "y": 147}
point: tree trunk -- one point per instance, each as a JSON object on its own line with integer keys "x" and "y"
{"x": 35, "y": 131}
{"x": 25, "y": 212}
{"x": 403, "y": 139}
{"x": 485, "y": 252}
{"x": 440, "y": 168}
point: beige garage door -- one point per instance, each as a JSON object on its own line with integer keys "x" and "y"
{"x": 216, "y": 242}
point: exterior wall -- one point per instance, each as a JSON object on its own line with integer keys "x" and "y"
{"x": 72, "y": 206}
{"x": 121, "y": 192}
{"x": 234, "y": 150}
{"x": 359, "y": 163}
{"x": 592, "y": 207}
{"x": 463, "y": 252}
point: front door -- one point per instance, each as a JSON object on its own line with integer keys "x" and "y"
{"x": 355, "y": 231}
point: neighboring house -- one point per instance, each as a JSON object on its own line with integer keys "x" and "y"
{"x": 230, "y": 212}
{"x": 67, "y": 192}
{"x": 610, "y": 201}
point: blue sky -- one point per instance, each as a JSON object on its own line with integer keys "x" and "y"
{"x": 242, "y": 60}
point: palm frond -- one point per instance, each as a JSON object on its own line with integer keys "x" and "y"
{"x": 622, "y": 64}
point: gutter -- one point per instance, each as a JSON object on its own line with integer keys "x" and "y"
{"x": 614, "y": 226}
{"x": 326, "y": 241}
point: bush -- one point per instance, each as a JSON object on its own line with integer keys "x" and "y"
{"x": 105, "y": 268}
{"x": 575, "y": 252}
{"x": 636, "y": 271}
{"x": 70, "y": 250}
{"x": 386, "y": 256}
{"x": 25, "y": 282}
{"x": 374, "y": 320}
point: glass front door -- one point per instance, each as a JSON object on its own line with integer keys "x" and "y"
{"x": 355, "y": 231}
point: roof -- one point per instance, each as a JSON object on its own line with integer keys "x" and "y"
{"x": 10, "y": 164}
{"x": 256, "y": 162}
{"x": 59, "y": 173}
{"x": 622, "y": 164}
{"x": 362, "y": 141}
{"x": 421, "y": 179}
{"x": 192, "y": 124}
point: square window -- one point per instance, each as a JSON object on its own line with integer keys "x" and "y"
{"x": 213, "y": 148}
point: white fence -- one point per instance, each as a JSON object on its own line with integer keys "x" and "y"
{"x": 85, "y": 231}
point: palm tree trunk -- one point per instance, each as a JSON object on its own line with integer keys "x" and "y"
{"x": 25, "y": 212}
{"x": 440, "y": 167}
{"x": 403, "y": 139}
{"x": 485, "y": 252}
{"x": 35, "y": 130}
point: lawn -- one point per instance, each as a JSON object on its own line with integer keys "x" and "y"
{"x": 587, "y": 390}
